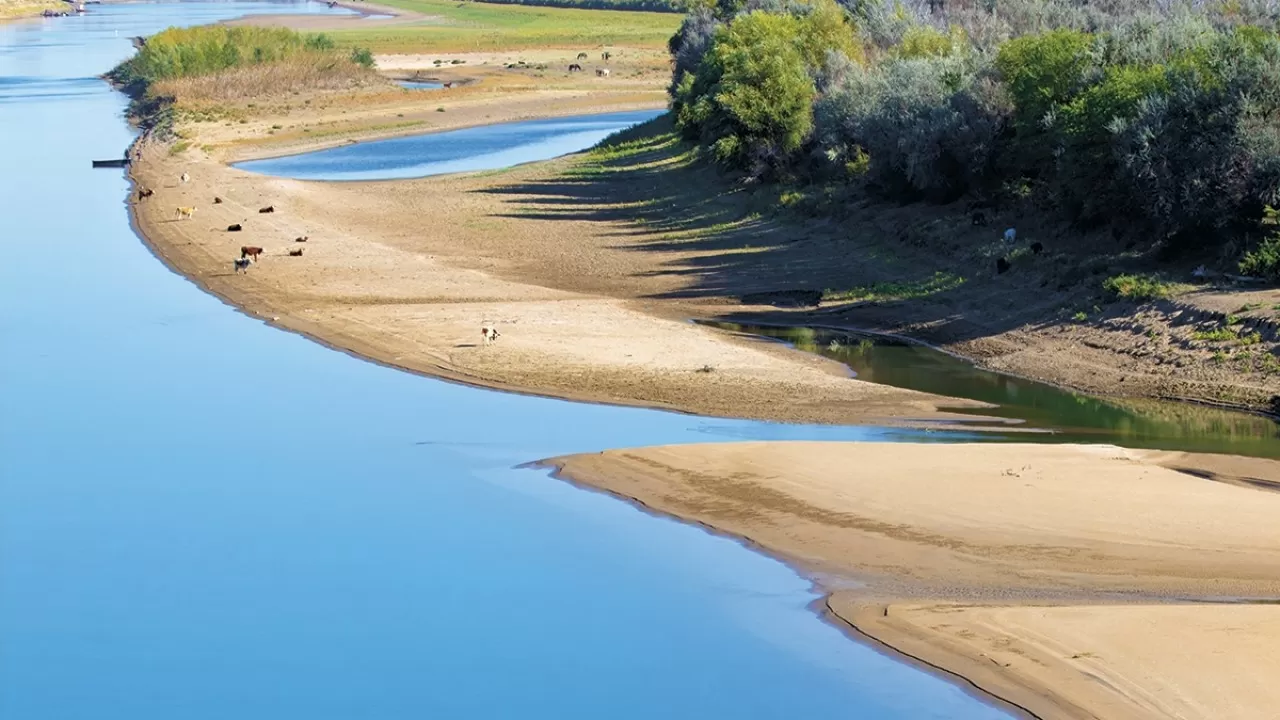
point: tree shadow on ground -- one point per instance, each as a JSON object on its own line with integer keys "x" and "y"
{"x": 726, "y": 241}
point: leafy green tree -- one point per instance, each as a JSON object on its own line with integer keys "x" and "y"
{"x": 764, "y": 90}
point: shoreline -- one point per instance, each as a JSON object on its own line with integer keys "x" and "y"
{"x": 610, "y": 377}
{"x": 870, "y": 615}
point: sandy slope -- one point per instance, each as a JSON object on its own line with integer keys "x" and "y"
{"x": 1002, "y": 526}
{"x": 406, "y": 272}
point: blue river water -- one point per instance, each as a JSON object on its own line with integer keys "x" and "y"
{"x": 204, "y": 517}
{"x": 488, "y": 147}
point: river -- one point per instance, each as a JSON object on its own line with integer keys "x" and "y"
{"x": 205, "y": 517}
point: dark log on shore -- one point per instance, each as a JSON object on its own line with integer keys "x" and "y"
{"x": 111, "y": 163}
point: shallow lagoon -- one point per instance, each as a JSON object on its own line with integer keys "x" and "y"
{"x": 204, "y": 517}
{"x": 488, "y": 147}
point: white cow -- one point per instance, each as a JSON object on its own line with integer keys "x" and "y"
{"x": 489, "y": 333}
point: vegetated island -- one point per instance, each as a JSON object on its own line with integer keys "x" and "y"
{"x": 1068, "y": 581}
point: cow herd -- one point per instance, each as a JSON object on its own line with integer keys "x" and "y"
{"x": 600, "y": 72}
{"x": 251, "y": 254}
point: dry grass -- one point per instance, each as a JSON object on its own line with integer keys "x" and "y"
{"x": 25, "y": 8}
{"x": 301, "y": 73}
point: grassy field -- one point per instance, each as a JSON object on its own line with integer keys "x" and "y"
{"x": 477, "y": 27}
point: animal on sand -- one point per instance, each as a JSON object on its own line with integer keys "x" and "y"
{"x": 606, "y": 55}
{"x": 242, "y": 264}
{"x": 575, "y": 67}
{"x": 185, "y": 213}
{"x": 145, "y": 192}
{"x": 235, "y": 227}
{"x": 582, "y": 56}
{"x": 295, "y": 253}
{"x": 602, "y": 72}
{"x": 251, "y": 251}
{"x": 184, "y": 178}
{"x": 489, "y": 333}
{"x": 267, "y": 209}
{"x": 448, "y": 85}
{"x": 217, "y": 200}
{"x": 304, "y": 238}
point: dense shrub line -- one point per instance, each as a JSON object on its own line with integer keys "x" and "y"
{"x": 191, "y": 52}
{"x": 1157, "y": 116}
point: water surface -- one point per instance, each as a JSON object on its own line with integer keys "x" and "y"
{"x": 419, "y": 85}
{"x": 480, "y": 148}
{"x": 202, "y": 517}
{"x": 1072, "y": 416}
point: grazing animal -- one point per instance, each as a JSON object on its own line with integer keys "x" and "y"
{"x": 296, "y": 253}
{"x": 184, "y": 178}
{"x": 979, "y": 218}
{"x": 234, "y": 228}
{"x": 217, "y": 201}
{"x": 185, "y": 213}
{"x": 304, "y": 238}
{"x": 489, "y": 333}
{"x": 606, "y": 55}
{"x": 575, "y": 67}
{"x": 1002, "y": 266}
{"x": 602, "y": 72}
{"x": 250, "y": 251}
{"x": 582, "y": 56}
{"x": 145, "y": 192}
{"x": 448, "y": 85}
{"x": 242, "y": 264}
{"x": 1037, "y": 248}
{"x": 267, "y": 209}
{"x": 1010, "y": 236}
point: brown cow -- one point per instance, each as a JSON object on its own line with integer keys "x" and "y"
{"x": 267, "y": 209}
{"x": 250, "y": 251}
{"x": 295, "y": 253}
{"x": 145, "y": 192}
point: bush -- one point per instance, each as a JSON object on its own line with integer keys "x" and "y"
{"x": 362, "y": 57}
{"x": 188, "y": 52}
{"x": 1138, "y": 288}
{"x": 753, "y": 95}
{"x": 1264, "y": 260}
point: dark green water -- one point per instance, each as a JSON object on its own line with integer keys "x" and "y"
{"x": 1070, "y": 416}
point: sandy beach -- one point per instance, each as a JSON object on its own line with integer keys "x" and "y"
{"x": 1044, "y": 575}
{"x": 406, "y": 272}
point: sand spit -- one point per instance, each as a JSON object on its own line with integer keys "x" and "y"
{"x": 406, "y": 272}
{"x": 1044, "y": 575}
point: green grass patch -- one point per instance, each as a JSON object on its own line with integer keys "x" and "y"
{"x": 1138, "y": 288}
{"x": 477, "y": 27}
{"x": 1221, "y": 334}
{"x": 909, "y": 290}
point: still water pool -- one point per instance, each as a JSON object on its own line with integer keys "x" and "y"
{"x": 487, "y": 147}
{"x": 1070, "y": 416}
{"x": 204, "y": 517}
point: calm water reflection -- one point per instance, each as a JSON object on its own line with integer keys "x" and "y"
{"x": 1073, "y": 417}
{"x": 480, "y": 148}
{"x": 203, "y": 517}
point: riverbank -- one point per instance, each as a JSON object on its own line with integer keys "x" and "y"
{"x": 1043, "y": 575}
{"x": 22, "y": 9}
{"x": 406, "y": 272}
